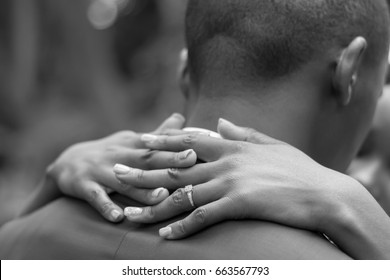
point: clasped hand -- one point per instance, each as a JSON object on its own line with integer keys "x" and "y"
{"x": 246, "y": 175}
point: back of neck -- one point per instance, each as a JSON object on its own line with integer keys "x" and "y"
{"x": 269, "y": 113}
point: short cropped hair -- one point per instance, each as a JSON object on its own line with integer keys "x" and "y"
{"x": 267, "y": 39}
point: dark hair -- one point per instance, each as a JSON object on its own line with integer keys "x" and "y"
{"x": 267, "y": 39}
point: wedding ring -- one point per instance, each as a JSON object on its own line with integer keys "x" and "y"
{"x": 188, "y": 190}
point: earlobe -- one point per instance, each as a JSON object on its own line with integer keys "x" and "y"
{"x": 347, "y": 68}
{"x": 347, "y": 99}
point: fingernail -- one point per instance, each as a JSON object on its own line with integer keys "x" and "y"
{"x": 185, "y": 154}
{"x": 121, "y": 169}
{"x": 165, "y": 232}
{"x": 132, "y": 211}
{"x": 225, "y": 122}
{"x": 177, "y": 116}
{"x": 148, "y": 138}
{"x": 157, "y": 192}
{"x": 222, "y": 120}
{"x": 115, "y": 214}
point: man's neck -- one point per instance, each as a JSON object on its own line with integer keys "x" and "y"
{"x": 269, "y": 114}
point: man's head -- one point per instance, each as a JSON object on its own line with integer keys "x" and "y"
{"x": 326, "y": 58}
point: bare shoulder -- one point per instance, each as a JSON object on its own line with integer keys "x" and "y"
{"x": 70, "y": 229}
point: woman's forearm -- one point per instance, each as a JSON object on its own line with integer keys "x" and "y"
{"x": 357, "y": 223}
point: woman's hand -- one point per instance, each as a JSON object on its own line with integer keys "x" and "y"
{"x": 239, "y": 180}
{"x": 84, "y": 171}
{"x": 269, "y": 180}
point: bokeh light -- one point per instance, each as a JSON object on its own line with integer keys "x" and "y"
{"x": 102, "y": 14}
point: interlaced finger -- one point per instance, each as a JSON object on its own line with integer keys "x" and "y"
{"x": 207, "y": 148}
{"x": 171, "y": 179}
{"x": 153, "y": 159}
{"x": 177, "y": 203}
{"x": 149, "y": 196}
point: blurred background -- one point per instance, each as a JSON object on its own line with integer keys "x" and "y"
{"x": 76, "y": 70}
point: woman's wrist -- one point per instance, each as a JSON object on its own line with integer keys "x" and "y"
{"x": 327, "y": 201}
{"x": 355, "y": 222}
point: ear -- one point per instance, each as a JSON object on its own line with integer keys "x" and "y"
{"x": 346, "y": 74}
{"x": 184, "y": 76}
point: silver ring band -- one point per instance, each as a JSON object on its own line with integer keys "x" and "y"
{"x": 188, "y": 190}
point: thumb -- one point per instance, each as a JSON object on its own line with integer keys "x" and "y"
{"x": 230, "y": 131}
{"x": 175, "y": 121}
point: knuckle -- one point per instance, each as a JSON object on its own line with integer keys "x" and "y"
{"x": 190, "y": 139}
{"x": 200, "y": 215}
{"x": 139, "y": 175}
{"x": 177, "y": 197}
{"x": 174, "y": 158}
{"x": 231, "y": 180}
{"x": 93, "y": 195}
{"x": 181, "y": 227}
{"x": 231, "y": 164}
{"x": 174, "y": 174}
{"x": 150, "y": 212}
{"x": 250, "y": 135}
